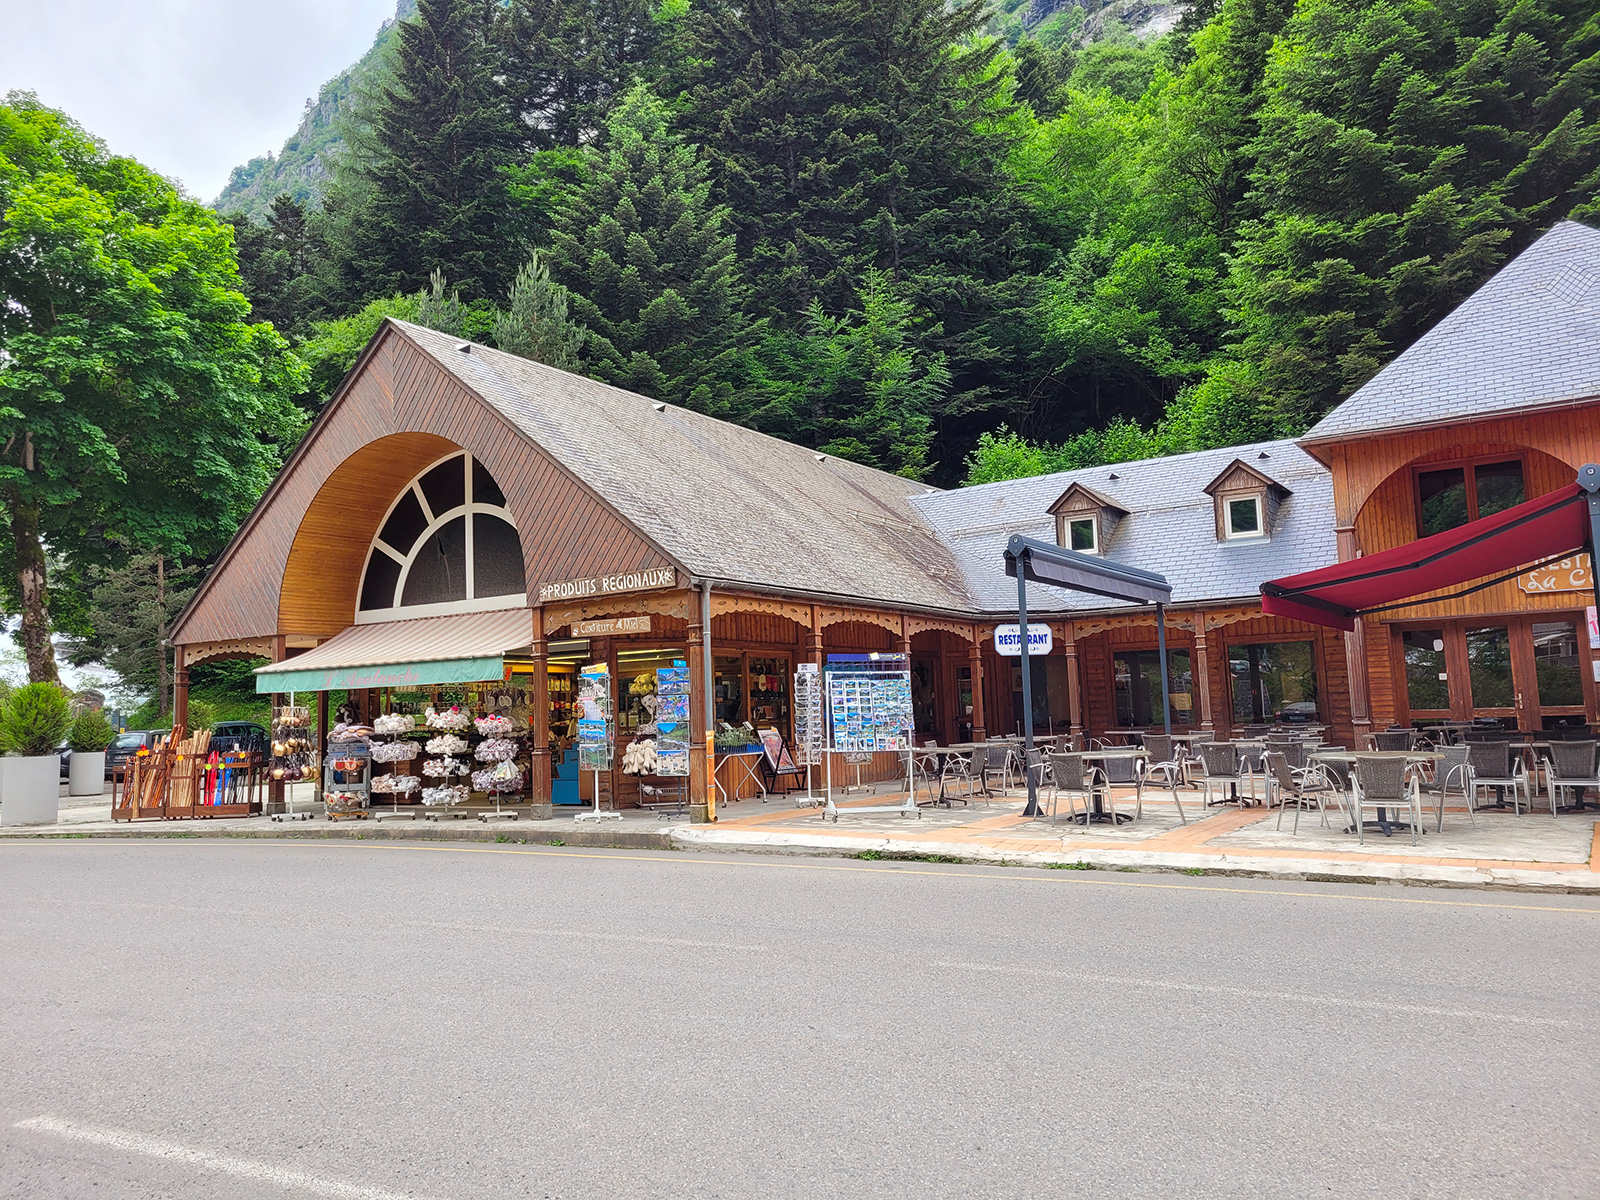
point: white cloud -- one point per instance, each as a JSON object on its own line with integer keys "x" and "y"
{"x": 191, "y": 88}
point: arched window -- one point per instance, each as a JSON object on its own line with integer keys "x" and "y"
{"x": 447, "y": 544}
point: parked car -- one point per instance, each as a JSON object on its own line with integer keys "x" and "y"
{"x": 1301, "y": 712}
{"x": 126, "y": 746}
{"x": 239, "y": 735}
{"x": 65, "y": 751}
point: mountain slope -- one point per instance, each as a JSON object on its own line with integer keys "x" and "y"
{"x": 303, "y": 165}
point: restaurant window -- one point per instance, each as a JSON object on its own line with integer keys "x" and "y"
{"x": 1489, "y": 667}
{"x": 1451, "y": 496}
{"x": 1244, "y": 517}
{"x": 1273, "y": 681}
{"x": 1048, "y": 675}
{"x": 1137, "y": 676}
{"x": 1081, "y": 533}
{"x": 1557, "y": 664}
{"x": 447, "y": 539}
{"x": 727, "y": 684}
{"x": 1427, "y": 684}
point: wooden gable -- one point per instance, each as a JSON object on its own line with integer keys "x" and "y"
{"x": 295, "y": 565}
{"x": 1240, "y": 480}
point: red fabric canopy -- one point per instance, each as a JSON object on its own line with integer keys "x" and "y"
{"x": 1550, "y": 526}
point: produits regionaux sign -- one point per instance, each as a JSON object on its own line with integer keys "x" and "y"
{"x": 608, "y": 585}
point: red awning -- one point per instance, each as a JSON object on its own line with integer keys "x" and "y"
{"x": 1547, "y": 528}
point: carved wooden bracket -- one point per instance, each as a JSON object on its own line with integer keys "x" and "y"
{"x": 200, "y": 652}
{"x": 916, "y": 625}
{"x": 837, "y": 616}
{"x": 667, "y": 604}
{"x": 722, "y": 604}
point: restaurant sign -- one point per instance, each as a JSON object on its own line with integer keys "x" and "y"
{"x": 1008, "y": 640}
{"x": 610, "y": 625}
{"x": 1574, "y": 574}
{"x": 608, "y": 585}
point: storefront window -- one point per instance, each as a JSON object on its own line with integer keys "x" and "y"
{"x": 922, "y": 695}
{"x": 1427, "y": 686}
{"x": 1489, "y": 664}
{"x": 1138, "y": 686}
{"x": 1452, "y": 496}
{"x": 727, "y": 682}
{"x": 1273, "y": 681}
{"x": 1557, "y": 663}
{"x": 636, "y": 681}
{"x": 769, "y": 693}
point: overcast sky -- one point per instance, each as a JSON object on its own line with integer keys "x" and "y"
{"x": 191, "y": 88}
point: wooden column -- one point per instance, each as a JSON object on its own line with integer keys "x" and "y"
{"x": 814, "y": 652}
{"x": 699, "y": 809}
{"x": 903, "y": 643}
{"x": 975, "y": 662}
{"x": 539, "y": 701}
{"x": 180, "y": 691}
{"x": 1202, "y": 671}
{"x": 1355, "y": 655}
{"x": 1074, "y": 679}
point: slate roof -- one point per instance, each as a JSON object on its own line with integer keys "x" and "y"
{"x": 1170, "y": 528}
{"x": 726, "y": 502}
{"x": 1528, "y": 337}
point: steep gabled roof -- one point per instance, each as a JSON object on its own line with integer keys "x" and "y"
{"x": 1528, "y": 338}
{"x": 727, "y": 502}
{"x": 1255, "y": 474}
{"x": 1095, "y": 499}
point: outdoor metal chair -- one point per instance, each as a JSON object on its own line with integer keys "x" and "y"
{"x": 1454, "y": 769}
{"x": 988, "y": 761}
{"x": 1392, "y": 739}
{"x": 956, "y": 772}
{"x": 1069, "y": 777}
{"x": 1385, "y": 783}
{"x": 1168, "y": 762}
{"x": 1223, "y": 766}
{"x": 1495, "y": 766}
{"x": 1570, "y": 766}
{"x": 1124, "y": 772}
{"x": 1310, "y": 788}
{"x": 1257, "y": 731}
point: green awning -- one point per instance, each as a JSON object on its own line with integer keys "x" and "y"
{"x": 460, "y": 648}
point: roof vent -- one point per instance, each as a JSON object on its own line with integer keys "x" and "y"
{"x": 1263, "y": 454}
{"x": 659, "y": 407}
{"x": 822, "y": 458}
{"x": 1113, "y": 475}
{"x": 465, "y": 347}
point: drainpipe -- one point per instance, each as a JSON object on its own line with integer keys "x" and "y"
{"x": 711, "y": 705}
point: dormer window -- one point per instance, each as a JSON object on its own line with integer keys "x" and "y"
{"x": 1085, "y": 519}
{"x": 1247, "y": 502}
{"x": 1244, "y": 518}
{"x": 1083, "y": 535}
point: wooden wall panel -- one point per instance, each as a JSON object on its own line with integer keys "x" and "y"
{"x": 271, "y": 580}
{"x": 757, "y": 629}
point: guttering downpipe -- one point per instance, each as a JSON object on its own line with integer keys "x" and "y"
{"x": 710, "y": 699}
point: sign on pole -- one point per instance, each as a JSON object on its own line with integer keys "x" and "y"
{"x": 1008, "y": 640}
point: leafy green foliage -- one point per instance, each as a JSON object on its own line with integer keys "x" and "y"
{"x": 90, "y": 732}
{"x": 34, "y": 719}
{"x": 131, "y": 610}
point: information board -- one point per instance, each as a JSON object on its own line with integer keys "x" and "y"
{"x": 869, "y": 702}
{"x": 672, "y": 720}
{"x": 595, "y": 729}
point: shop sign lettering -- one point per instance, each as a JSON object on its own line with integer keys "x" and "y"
{"x": 608, "y": 585}
{"x": 1008, "y": 640}
{"x": 1575, "y": 574}
{"x": 610, "y": 625}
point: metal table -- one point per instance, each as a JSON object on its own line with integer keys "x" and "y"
{"x": 1351, "y": 757}
{"x": 1097, "y": 810}
{"x": 748, "y": 761}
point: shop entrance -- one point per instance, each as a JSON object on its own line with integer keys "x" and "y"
{"x": 1529, "y": 672}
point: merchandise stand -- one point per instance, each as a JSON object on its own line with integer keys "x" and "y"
{"x": 293, "y": 758}
{"x": 347, "y": 781}
{"x": 869, "y": 711}
{"x": 596, "y": 734}
{"x": 394, "y": 812}
{"x": 810, "y": 737}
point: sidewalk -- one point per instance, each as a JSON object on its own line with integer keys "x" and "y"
{"x": 1534, "y": 851}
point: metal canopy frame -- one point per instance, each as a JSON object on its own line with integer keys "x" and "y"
{"x": 1044, "y": 562}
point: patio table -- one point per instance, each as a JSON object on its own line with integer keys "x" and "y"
{"x": 1097, "y": 811}
{"x": 749, "y": 760}
{"x": 1351, "y": 757}
{"x": 943, "y": 800}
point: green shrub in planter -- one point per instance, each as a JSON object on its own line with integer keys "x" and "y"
{"x": 90, "y": 732}
{"x": 33, "y": 720}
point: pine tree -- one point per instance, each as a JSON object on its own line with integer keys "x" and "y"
{"x": 567, "y": 62}
{"x": 650, "y": 261}
{"x": 536, "y": 324}
{"x": 430, "y": 177}
{"x": 441, "y": 310}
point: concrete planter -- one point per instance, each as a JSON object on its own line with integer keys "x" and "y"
{"x": 86, "y": 773}
{"x": 30, "y": 790}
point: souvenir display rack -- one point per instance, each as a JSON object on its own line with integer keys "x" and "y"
{"x": 868, "y": 711}
{"x": 347, "y": 780}
{"x": 660, "y": 751}
{"x": 596, "y": 732}
{"x": 294, "y": 755}
{"x": 391, "y": 747}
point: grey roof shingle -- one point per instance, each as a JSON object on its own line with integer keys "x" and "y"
{"x": 1170, "y": 529}
{"x": 732, "y": 504}
{"x": 1529, "y": 336}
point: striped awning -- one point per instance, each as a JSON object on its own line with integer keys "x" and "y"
{"x": 460, "y": 648}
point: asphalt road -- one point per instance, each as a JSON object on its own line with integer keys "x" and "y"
{"x": 204, "y": 1019}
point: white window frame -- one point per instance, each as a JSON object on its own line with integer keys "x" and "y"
{"x": 1232, "y": 535}
{"x": 1094, "y": 530}
{"x": 406, "y": 558}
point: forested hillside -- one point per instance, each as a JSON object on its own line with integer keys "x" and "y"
{"x": 900, "y": 231}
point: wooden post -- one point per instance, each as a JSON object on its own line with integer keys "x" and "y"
{"x": 180, "y": 690}
{"x": 903, "y": 644}
{"x": 980, "y": 731}
{"x": 1355, "y": 655}
{"x": 1074, "y": 680}
{"x": 539, "y": 701}
{"x": 699, "y": 785}
{"x": 1202, "y": 671}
